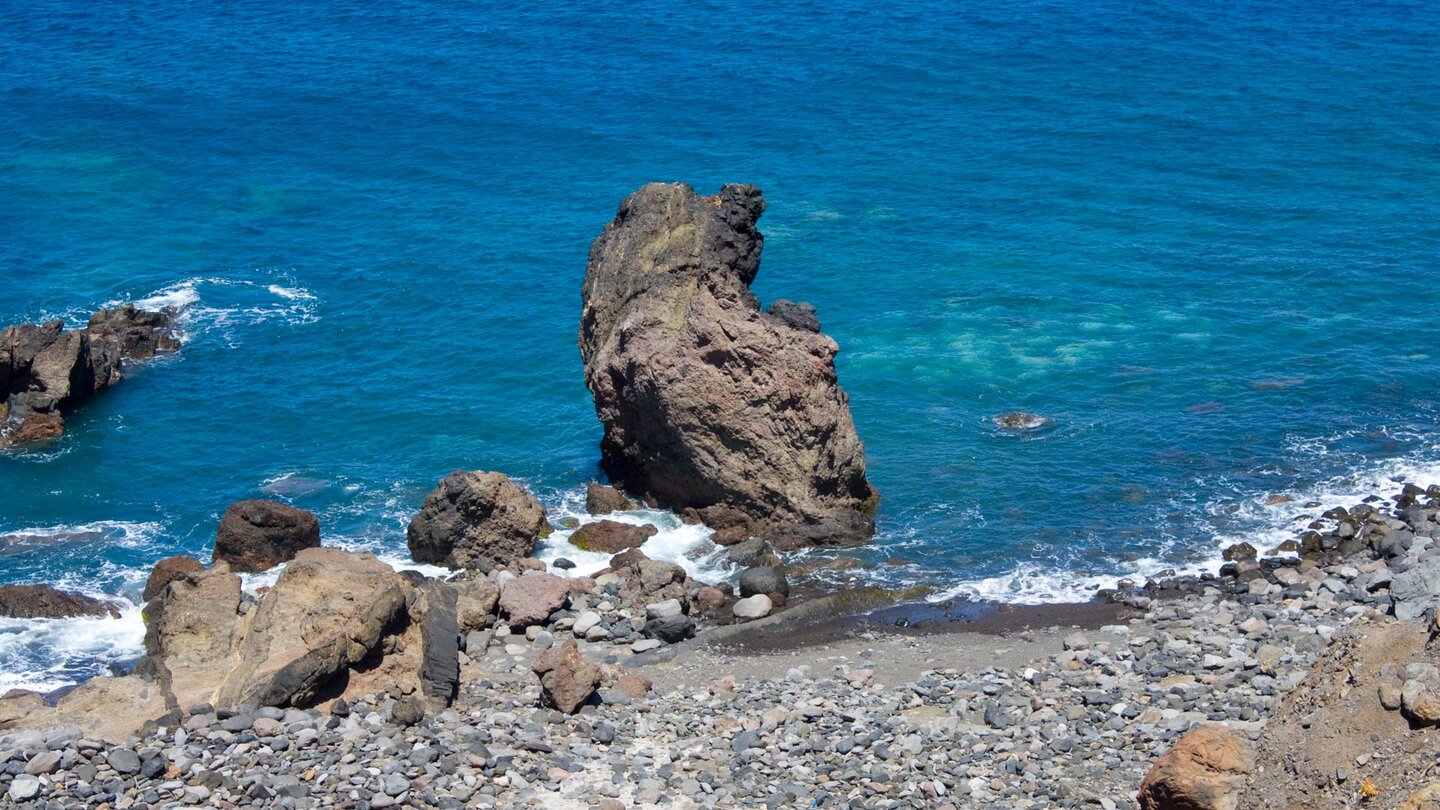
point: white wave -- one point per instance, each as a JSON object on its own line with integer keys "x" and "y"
{"x": 47, "y": 654}
{"x": 215, "y": 303}
{"x": 128, "y": 534}
{"x": 1260, "y": 519}
{"x": 686, "y": 545}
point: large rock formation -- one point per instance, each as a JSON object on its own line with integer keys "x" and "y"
{"x": 259, "y": 535}
{"x": 46, "y": 371}
{"x": 477, "y": 520}
{"x": 710, "y": 406}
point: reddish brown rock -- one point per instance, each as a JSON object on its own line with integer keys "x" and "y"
{"x": 259, "y": 535}
{"x": 1202, "y": 771}
{"x": 168, "y": 570}
{"x": 634, "y": 685}
{"x": 531, "y": 598}
{"x": 567, "y": 680}
{"x": 710, "y": 406}
{"x": 602, "y": 500}
{"x": 610, "y": 537}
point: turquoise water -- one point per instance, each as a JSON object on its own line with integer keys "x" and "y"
{"x": 1202, "y": 237}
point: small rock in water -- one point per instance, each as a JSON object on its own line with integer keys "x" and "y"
{"x": 1021, "y": 420}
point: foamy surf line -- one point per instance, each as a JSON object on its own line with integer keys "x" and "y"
{"x": 206, "y": 303}
{"x": 1271, "y": 518}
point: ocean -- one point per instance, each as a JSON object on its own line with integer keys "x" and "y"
{"x": 1204, "y": 238}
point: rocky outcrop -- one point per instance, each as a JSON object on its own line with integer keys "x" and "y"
{"x": 567, "y": 680}
{"x": 1203, "y": 771}
{"x": 46, "y": 371}
{"x": 45, "y": 602}
{"x": 602, "y": 500}
{"x": 477, "y": 520}
{"x": 259, "y": 535}
{"x": 727, "y": 414}
{"x": 610, "y": 537}
{"x": 168, "y": 570}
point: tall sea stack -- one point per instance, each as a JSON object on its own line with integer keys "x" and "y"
{"x": 712, "y": 407}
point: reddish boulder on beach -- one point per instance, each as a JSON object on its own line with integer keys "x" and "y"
{"x": 1202, "y": 771}
{"x": 567, "y": 680}
{"x": 532, "y": 598}
{"x": 259, "y": 535}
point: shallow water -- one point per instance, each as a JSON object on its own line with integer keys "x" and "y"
{"x": 1202, "y": 239}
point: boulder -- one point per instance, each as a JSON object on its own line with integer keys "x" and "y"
{"x": 45, "y": 602}
{"x": 671, "y": 629}
{"x": 192, "y": 628}
{"x": 259, "y": 535}
{"x": 753, "y": 552}
{"x": 644, "y": 581}
{"x": 532, "y": 598}
{"x": 567, "y": 680}
{"x": 434, "y": 612}
{"x": 610, "y": 537}
{"x": 764, "y": 579}
{"x": 728, "y": 415}
{"x": 1415, "y": 591}
{"x": 168, "y": 570}
{"x": 634, "y": 685}
{"x": 328, "y": 611}
{"x": 477, "y": 520}
{"x": 1021, "y": 421}
{"x": 138, "y": 334}
{"x": 1202, "y": 771}
{"x": 753, "y": 607}
{"x": 475, "y": 603}
{"x": 602, "y": 500}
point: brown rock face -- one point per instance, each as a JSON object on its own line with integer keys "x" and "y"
{"x": 45, "y": 602}
{"x": 1203, "y": 771}
{"x": 710, "y": 406}
{"x": 610, "y": 537}
{"x": 567, "y": 680}
{"x": 477, "y": 520}
{"x": 168, "y": 570}
{"x": 138, "y": 334}
{"x": 259, "y": 535}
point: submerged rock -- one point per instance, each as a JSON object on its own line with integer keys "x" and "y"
{"x": 711, "y": 407}
{"x": 610, "y": 537}
{"x": 1020, "y": 420}
{"x": 259, "y": 535}
{"x": 45, "y": 602}
{"x": 477, "y": 520}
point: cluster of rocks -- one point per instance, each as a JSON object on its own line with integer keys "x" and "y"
{"x": 554, "y": 709}
{"x": 46, "y": 371}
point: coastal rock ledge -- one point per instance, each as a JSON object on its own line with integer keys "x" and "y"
{"x": 711, "y": 407}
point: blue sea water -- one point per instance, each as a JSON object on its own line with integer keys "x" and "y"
{"x": 1202, "y": 237}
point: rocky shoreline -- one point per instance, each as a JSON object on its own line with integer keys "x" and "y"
{"x": 1039, "y": 717}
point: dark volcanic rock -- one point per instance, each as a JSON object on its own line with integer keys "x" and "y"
{"x": 602, "y": 500}
{"x": 711, "y": 407}
{"x": 610, "y": 537}
{"x": 168, "y": 570}
{"x": 138, "y": 333}
{"x": 259, "y": 535}
{"x": 46, "y": 371}
{"x": 436, "y": 613}
{"x": 764, "y": 579}
{"x": 45, "y": 602}
{"x": 796, "y": 315}
{"x": 477, "y": 520}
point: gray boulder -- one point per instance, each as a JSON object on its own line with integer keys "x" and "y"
{"x": 764, "y": 579}
{"x": 1415, "y": 591}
